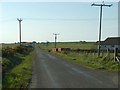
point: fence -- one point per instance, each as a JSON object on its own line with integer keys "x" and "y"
{"x": 109, "y": 54}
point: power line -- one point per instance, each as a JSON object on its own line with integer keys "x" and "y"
{"x": 57, "y": 19}
{"x": 65, "y": 19}
{"x": 101, "y": 7}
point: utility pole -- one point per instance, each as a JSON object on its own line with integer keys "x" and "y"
{"x": 101, "y": 7}
{"x": 55, "y": 34}
{"x": 20, "y": 28}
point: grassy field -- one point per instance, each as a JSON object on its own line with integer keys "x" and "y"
{"x": 72, "y": 45}
{"x": 87, "y": 59}
{"x": 12, "y": 45}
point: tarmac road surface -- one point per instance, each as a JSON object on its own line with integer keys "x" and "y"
{"x": 51, "y": 72}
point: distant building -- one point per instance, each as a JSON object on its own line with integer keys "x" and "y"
{"x": 111, "y": 43}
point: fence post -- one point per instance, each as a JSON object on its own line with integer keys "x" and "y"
{"x": 108, "y": 53}
{"x": 115, "y": 53}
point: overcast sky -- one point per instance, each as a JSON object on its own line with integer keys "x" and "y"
{"x": 74, "y": 21}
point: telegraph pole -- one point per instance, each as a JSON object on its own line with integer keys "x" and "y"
{"x": 101, "y": 7}
{"x": 20, "y": 28}
{"x": 55, "y": 34}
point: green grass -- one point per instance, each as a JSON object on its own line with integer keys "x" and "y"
{"x": 20, "y": 75}
{"x": 72, "y": 45}
{"x": 12, "y": 45}
{"x": 89, "y": 60}
{"x": 11, "y": 62}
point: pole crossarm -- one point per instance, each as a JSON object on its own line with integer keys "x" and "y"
{"x": 19, "y": 19}
{"x": 109, "y": 5}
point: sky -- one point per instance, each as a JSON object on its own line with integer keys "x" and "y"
{"x": 74, "y": 21}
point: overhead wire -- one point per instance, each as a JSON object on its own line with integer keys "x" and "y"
{"x": 57, "y": 19}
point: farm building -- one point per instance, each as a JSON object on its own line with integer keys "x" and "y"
{"x": 111, "y": 43}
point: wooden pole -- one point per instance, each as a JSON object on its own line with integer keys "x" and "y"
{"x": 108, "y": 53}
{"x": 115, "y": 53}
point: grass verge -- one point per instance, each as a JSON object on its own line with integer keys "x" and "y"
{"x": 19, "y": 76}
{"x": 91, "y": 61}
